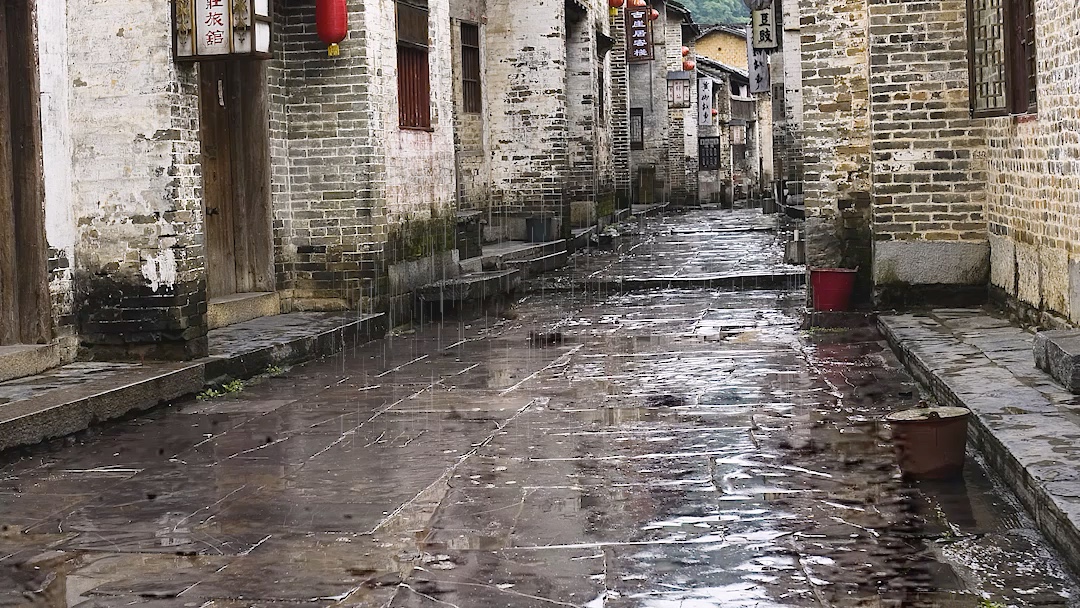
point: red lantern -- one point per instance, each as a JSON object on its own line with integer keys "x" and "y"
{"x": 615, "y": 3}
{"x": 685, "y": 51}
{"x": 654, "y": 15}
{"x": 332, "y": 23}
{"x": 715, "y": 111}
{"x": 637, "y": 3}
{"x": 688, "y": 65}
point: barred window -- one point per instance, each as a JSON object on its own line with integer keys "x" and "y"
{"x": 472, "y": 101}
{"x": 637, "y": 128}
{"x": 1002, "y": 57}
{"x": 414, "y": 78}
{"x": 709, "y": 153}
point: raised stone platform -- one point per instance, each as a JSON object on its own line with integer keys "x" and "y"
{"x": 70, "y": 398}
{"x": 23, "y": 360}
{"x": 1025, "y": 424}
{"x": 1057, "y": 352}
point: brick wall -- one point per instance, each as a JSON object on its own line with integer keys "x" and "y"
{"x": 526, "y": 53}
{"x": 1033, "y": 177}
{"x": 619, "y": 121}
{"x": 836, "y": 101}
{"x": 139, "y": 288}
{"x": 470, "y": 129}
{"x": 329, "y": 171}
{"x": 929, "y": 175}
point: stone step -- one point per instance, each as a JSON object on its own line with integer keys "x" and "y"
{"x": 496, "y": 256}
{"x": 70, "y": 398}
{"x": 471, "y": 287}
{"x": 535, "y": 266}
{"x": 1057, "y": 352}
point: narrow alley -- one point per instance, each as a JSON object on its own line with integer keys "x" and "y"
{"x": 648, "y": 427}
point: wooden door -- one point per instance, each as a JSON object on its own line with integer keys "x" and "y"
{"x": 236, "y": 176}
{"x": 24, "y": 296}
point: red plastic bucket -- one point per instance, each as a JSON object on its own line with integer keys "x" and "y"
{"x": 831, "y": 287}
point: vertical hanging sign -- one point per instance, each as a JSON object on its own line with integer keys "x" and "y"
{"x": 764, "y": 31}
{"x": 705, "y": 101}
{"x": 758, "y": 63}
{"x": 212, "y": 29}
{"x": 638, "y": 33}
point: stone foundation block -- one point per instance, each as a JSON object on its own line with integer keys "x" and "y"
{"x": 1057, "y": 352}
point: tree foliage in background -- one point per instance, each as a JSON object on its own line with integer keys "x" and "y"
{"x": 718, "y": 11}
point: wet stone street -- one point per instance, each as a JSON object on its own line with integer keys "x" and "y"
{"x": 656, "y": 448}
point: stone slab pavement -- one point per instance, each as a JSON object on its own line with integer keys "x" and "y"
{"x": 1025, "y": 424}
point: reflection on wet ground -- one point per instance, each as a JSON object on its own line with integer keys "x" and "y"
{"x": 677, "y": 448}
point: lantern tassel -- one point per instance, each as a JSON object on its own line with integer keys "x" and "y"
{"x": 334, "y": 50}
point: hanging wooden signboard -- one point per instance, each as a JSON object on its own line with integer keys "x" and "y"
{"x": 217, "y": 29}
{"x": 639, "y": 45}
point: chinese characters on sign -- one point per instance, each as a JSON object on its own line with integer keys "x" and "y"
{"x": 705, "y": 100}
{"x": 758, "y": 62}
{"x": 764, "y": 34}
{"x": 638, "y": 34}
{"x": 209, "y": 29}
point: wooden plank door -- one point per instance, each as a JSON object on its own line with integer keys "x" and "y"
{"x": 236, "y": 176}
{"x": 25, "y": 315}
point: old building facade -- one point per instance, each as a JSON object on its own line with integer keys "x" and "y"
{"x": 533, "y": 113}
{"x": 663, "y": 154}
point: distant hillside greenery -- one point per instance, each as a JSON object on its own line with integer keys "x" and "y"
{"x": 718, "y": 11}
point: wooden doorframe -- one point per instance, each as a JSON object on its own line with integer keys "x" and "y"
{"x": 235, "y": 135}
{"x": 25, "y": 309}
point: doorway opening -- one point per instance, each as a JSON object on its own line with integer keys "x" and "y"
{"x": 24, "y": 293}
{"x": 235, "y": 135}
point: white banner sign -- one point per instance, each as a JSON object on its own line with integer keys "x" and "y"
{"x": 764, "y": 21}
{"x": 705, "y": 100}
{"x": 758, "y": 62}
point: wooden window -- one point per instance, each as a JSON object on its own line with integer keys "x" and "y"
{"x": 637, "y": 128}
{"x": 472, "y": 100}
{"x": 414, "y": 78}
{"x": 709, "y": 153}
{"x": 1002, "y": 57}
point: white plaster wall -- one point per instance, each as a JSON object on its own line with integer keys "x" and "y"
{"x": 55, "y": 124}
{"x": 124, "y": 84}
{"x": 420, "y": 175}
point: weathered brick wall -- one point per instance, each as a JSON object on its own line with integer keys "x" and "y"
{"x": 581, "y": 108}
{"x": 682, "y": 163}
{"x": 1033, "y": 177}
{"x": 836, "y": 100}
{"x": 788, "y": 101}
{"x": 526, "y": 53}
{"x": 929, "y": 175}
{"x": 619, "y": 122}
{"x": 330, "y": 177}
{"x": 135, "y": 183}
{"x": 470, "y": 129}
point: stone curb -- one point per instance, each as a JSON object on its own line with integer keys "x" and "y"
{"x": 763, "y": 282}
{"x": 71, "y": 410}
{"x": 1049, "y": 516}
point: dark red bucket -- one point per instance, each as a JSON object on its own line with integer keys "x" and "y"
{"x": 831, "y": 287}
{"x": 930, "y": 441}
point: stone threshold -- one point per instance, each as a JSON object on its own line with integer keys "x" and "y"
{"x": 1024, "y": 423}
{"x": 21, "y": 360}
{"x": 239, "y": 307}
{"x": 70, "y": 398}
{"x": 735, "y": 281}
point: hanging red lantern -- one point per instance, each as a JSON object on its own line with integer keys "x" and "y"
{"x": 688, "y": 65}
{"x": 654, "y": 15}
{"x": 615, "y": 3}
{"x": 638, "y": 3}
{"x": 685, "y": 51}
{"x": 715, "y": 111}
{"x": 332, "y": 23}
